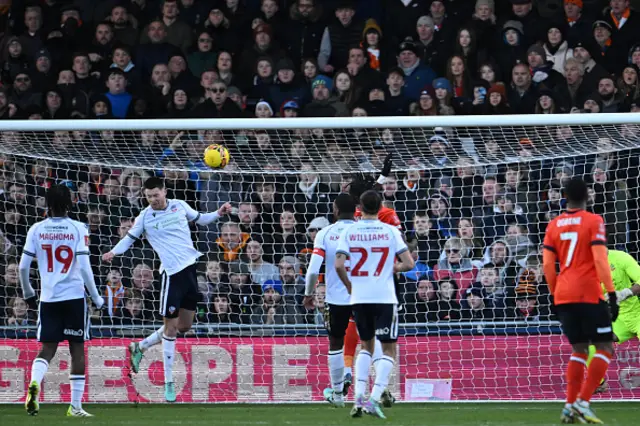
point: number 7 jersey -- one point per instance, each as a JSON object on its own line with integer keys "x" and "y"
{"x": 372, "y": 247}
{"x": 56, "y": 243}
{"x": 570, "y": 236}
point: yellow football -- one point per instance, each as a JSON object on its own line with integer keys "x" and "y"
{"x": 216, "y": 156}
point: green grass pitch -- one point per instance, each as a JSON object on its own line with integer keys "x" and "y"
{"x": 513, "y": 414}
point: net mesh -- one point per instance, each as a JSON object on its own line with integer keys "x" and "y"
{"x": 473, "y": 203}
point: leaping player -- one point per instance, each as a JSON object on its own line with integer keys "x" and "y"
{"x": 60, "y": 245}
{"x": 165, "y": 224}
{"x": 577, "y": 240}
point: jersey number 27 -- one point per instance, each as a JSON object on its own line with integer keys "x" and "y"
{"x": 364, "y": 255}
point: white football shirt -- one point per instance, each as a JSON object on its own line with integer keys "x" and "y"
{"x": 169, "y": 234}
{"x": 56, "y": 243}
{"x": 372, "y": 247}
{"x": 326, "y": 245}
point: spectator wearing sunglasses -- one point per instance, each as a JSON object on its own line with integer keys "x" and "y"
{"x": 456, "y": 266}
{"x": 22, "y": 94}
{"x": 217, "y": 103}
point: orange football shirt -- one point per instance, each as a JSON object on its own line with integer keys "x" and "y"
{"x": 570, "y": 236}
{"x": 385, "y": 215}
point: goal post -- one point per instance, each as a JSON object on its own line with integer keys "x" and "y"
{"x": 473, "y": 193}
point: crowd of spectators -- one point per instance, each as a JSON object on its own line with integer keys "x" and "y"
{"x": 473, "y": 216}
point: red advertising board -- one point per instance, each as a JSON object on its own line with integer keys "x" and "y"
{"x": 282, "y": 369}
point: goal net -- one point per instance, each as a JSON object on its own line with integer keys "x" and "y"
{"x": 474, "y": 195}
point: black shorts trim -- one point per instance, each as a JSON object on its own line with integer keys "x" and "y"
{"x": 377, "y": 320}
{"x": 65, "y": 320}
{"x": 586, "y": 322}
{"x": 551, "y": 249}
{"x": 336, "y": 319}
{"x": 179, "y": 291}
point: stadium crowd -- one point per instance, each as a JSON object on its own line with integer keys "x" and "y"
{"x": 475, "y": 231}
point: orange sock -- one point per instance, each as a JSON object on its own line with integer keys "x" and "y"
{"x": 351, "y": 339}
{"x": 575, "y": 375}
{"x": 596, "y": 372}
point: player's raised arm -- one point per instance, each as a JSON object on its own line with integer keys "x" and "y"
{"x": 86, "y": 272}
{"x": 28, "y": 254}
{"x": 204, "y": 219}
{"x": 132, "y": 236}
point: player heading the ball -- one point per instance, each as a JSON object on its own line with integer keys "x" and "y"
{"x": 165, "y": 224}
{"x": 577, "y": 240}
{"x": 371, "y": 247}
{"x": 60, "y": 245}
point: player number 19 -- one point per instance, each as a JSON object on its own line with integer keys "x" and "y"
{"x": 63, "y": 254}
{"x": 572, "y": 237}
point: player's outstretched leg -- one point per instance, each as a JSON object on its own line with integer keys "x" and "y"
{"x": 38, "y": 370}
{"x": 137, "y": 349}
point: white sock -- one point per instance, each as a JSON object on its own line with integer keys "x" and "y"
{"x": 168, "y": 350}
{"x": 77, "y": 390}
{"x": 363, "y": 362}
{"x": 38, "y": 370}
{"x": 336, "y": 370}
{"x": 377, "y": 352}
{"x": 383, "y": 371}
{"x": 152, "y": 339}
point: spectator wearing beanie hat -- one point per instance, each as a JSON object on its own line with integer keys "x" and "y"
{"x": 609, "y": 52}
{"x": 416, "y": 74}
{"x": 343, "y": 32}
{"x": 426, "y": 104}
{"x": 496, "y": 102}
{"x": 53, "y": 105}
{"x": 483, "y": 21}
{"x": 323, "y": 105}
{"x": 556, "y": 47}
{"x": 444, "y": 96}
{"x": 586, "y": 52}
{"x": 288, "y": 85}
{"x": 579, "y": 25}
{"x": 43, "y": 74}
{"x": 375, "y": 46}
{"x": 13, "y": 59}
{"x": 542, "y": 72}
{"x": 512, "y": 49}
{"x": 263, "y": 45}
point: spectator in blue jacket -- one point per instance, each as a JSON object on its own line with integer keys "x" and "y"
{"x": 417, "y": 75}
{"x": 117, "y": 94}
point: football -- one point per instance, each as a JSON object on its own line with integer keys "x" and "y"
{"x": 216, "y": 156}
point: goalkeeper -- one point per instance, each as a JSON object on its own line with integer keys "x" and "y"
{"x": 625, "y": 272}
